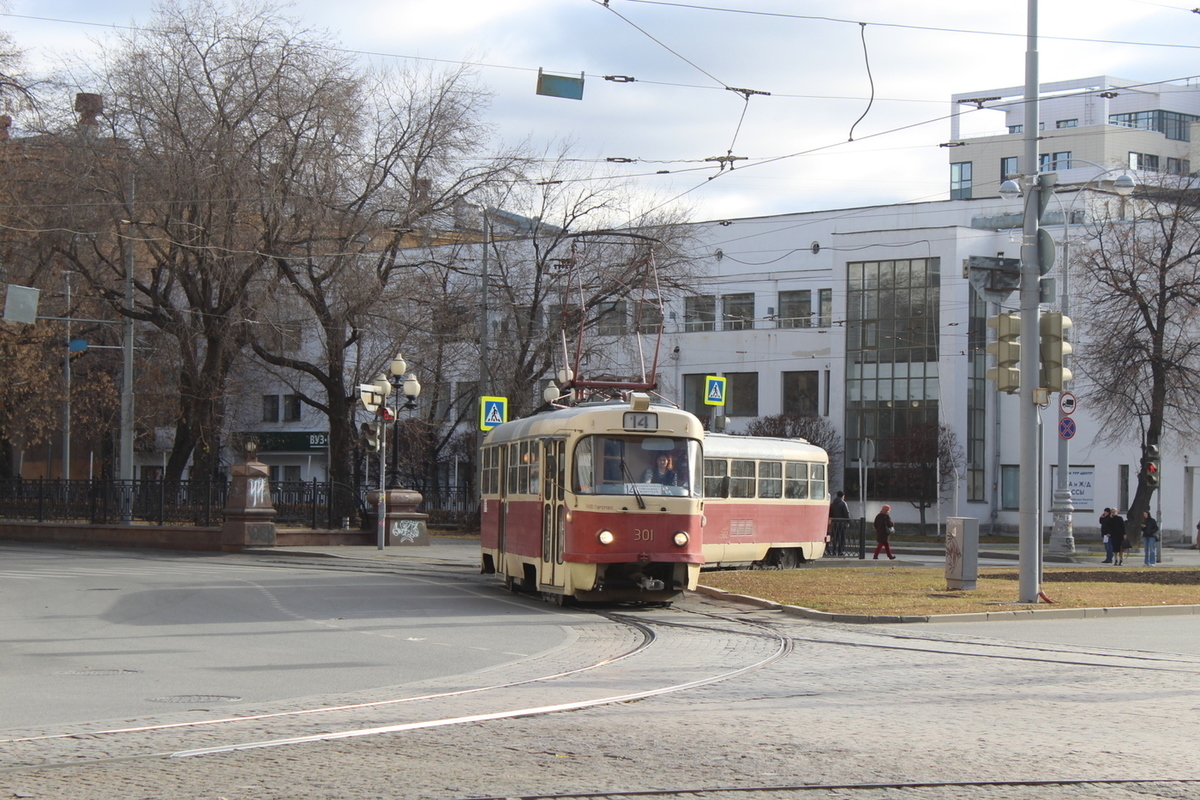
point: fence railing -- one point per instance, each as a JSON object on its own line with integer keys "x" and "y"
{"x": 307, "y": 504}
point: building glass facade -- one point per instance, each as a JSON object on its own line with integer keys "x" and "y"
{"x": 892, "y": 353}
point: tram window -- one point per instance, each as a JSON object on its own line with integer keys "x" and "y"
{"x": 742, "y": 484}
{"x": 489, "y": 479}
{"x": 795, "y": 485}
{"x": 716, "y": 471}
{"x": 585, "y": 468}
{"x": 818, "y": 488}
{"x": 618, "y": 465}
{"x": 770, "y": 479}
{"x": 534, "y": 472}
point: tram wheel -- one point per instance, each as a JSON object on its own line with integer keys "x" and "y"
{"x": 786, "y": 559}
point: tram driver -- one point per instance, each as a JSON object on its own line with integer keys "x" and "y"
{"x": 663, "y": 472}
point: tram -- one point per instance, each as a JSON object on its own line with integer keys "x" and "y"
{"x": 766, "y": 501}
{"x": 574, "y": 502}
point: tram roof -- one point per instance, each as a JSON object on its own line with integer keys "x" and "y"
{"x": 562, "y": 419}
{"x": 725, "y": 445}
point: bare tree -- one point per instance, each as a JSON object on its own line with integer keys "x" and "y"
{"x": 1141, "y": 370}
{"x": 341, "y": 245}
{"x": 816, "y": 430}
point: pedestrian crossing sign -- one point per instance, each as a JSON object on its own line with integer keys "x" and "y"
{"x": 493, "y": 411}
{"x": 714, "y": 391}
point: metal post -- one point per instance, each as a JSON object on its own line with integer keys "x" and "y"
{"x": 381, "y": 522}
{"x": 1029, "y": 538}
{"x": 1062, "y": 536}
{"x": 66, "y": 442}
{"x": 125, "y": 457}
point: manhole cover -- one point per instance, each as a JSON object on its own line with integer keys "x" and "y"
{"x": 195, "y": 698}
{"x": 101, "y": 672}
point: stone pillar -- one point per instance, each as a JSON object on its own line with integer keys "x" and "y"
{"x": 405, "y": 526}
{"x": 249, "y": 515}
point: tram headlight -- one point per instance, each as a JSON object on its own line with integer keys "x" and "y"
{"x": 681, "y": 539}
{"x": 606, "y": 537}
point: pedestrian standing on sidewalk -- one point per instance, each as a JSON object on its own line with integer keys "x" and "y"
{"x": 1149, "y": 539}
{"x": 884, "y": 528}
{"x": 1118, "y": 538}
{"x": 1106, "y": 535}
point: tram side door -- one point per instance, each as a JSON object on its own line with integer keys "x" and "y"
{"x": 553, "y": 572}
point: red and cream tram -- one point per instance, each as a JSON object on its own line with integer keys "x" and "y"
{"x": 599, "y": 502}
{"x": 766, "y": 501}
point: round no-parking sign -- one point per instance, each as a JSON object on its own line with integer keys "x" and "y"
{"x": 1066, "y": 428}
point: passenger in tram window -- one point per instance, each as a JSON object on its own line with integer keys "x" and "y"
{"x": 662, "y": 472}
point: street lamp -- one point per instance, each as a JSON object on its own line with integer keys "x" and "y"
{"x": 1062, "y": 539}
{"x": 410, "y": 388}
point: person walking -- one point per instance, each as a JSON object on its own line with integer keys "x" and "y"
{"x": 1118, "y": 538}
{"x": 884, "y": 528}
{"x": 1106, "y": 535}
{"x": 1149, "y": 539}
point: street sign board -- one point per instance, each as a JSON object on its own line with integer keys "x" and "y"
{"x": 1067, "y": 428}
{"x": 714, "y": 390}
{"x": 493, "y": 411}
{"x": 1067, "y": 403}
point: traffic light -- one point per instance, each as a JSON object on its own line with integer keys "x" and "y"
{"x": 1150, "y": 463}
{"x": 372, "y": 434}
{"x": 1007, "y": 350}
{"x": 1054, "y": 349}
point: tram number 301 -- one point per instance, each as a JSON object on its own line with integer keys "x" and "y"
{"x": 643, "y": 535}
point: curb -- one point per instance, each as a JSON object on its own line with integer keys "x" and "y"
{"x": 982, "y": 616}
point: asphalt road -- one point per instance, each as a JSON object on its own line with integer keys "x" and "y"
{"x": 94, "y": 634}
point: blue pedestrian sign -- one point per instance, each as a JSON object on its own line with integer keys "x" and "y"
{"x": 1066, "y": 428}
{"x": 493, "y": 411}
{"x": 714, "y": 391}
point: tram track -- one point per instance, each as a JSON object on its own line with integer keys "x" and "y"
{"x": 864, "y": 790}
{"x": 637, "y": 672}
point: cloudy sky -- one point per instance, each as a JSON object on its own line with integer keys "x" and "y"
{"x": 847, "y": 99}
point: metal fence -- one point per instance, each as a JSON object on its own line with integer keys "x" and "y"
{"x": 301, "y": 504}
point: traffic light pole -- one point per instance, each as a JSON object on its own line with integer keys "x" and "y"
{"x": 1029, "y": 541}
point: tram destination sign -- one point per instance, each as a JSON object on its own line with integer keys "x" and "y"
{"x": 640, "y": 421}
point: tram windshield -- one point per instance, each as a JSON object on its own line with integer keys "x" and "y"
{"x": 638, "y": 465}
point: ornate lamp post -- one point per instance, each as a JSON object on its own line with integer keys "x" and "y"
{"x": 410, "y": 388}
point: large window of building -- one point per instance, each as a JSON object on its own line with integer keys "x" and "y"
{"x": 739, "y": 312}
{"x": 795, "y": 309}
{"x": 741, "y": 394}
{"x": 1061, "y": 160}
{"x": 1172, "y": 124}
{"x": 960, "y": 180}
{"x": 699, "y": 313}
{"x": 270, "y": 408}
{"x": 801, "y": 391}
{"x": 610, "y": 318}
{"x": 892, "y": 311}
{"x": 291, "y": 408}
{"x": 824, "y": 308}
{"x": 977, "y": 396}
{"x": 1143, "y": 161}
{"x": 648, "y": 316}
{"x": 1009, "y": 168}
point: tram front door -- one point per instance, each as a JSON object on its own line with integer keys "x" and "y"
{"x": 553, "y": 573}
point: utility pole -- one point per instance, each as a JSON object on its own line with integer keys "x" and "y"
{"x": 1029, "y": 537}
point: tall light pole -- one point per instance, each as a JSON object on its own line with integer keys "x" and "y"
{"x": 1062, "y": 538}
{"x": 1029, "y": 536}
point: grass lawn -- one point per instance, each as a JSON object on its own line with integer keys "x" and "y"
{"x": 919, "y": 591}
